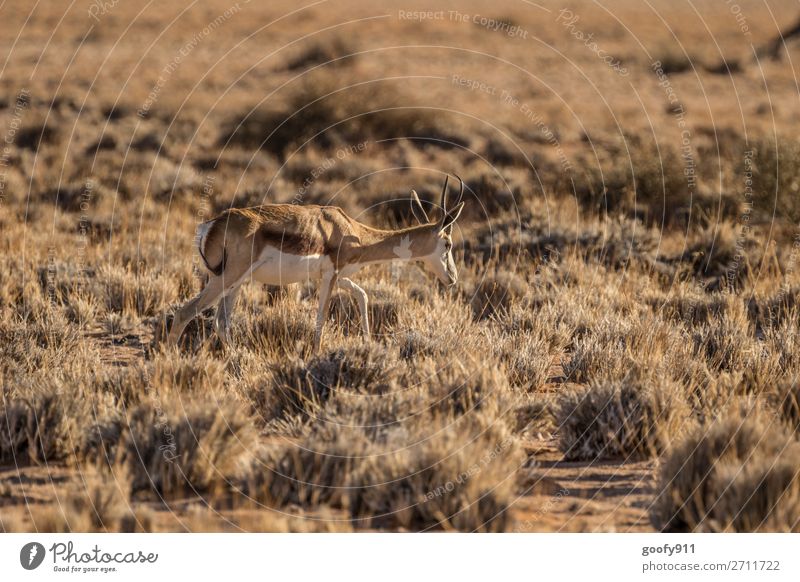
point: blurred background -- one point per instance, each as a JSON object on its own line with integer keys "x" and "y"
{"x": 644, "y": 108}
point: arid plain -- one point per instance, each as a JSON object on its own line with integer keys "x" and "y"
{"x": 622, "y": 349}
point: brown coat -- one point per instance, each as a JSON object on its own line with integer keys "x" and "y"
{"x": 242, "y": 233}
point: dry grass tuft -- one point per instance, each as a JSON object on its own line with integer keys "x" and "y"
{"x": 174, "y": 450}
{"x": 613, "y": 347}
{"x": 461, "y": 478}
{"x": 633, "y": 418}
{"x": 301, "y": 388}
{"x": 278, "y": 331}
{"x": 494, "y": 294}
{"x": 737, "y": 474}
{"x": 788, "y": 397}
{"x": 528, "y": 358}
{"x": 40, "y": 428}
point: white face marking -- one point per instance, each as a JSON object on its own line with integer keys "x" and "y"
{"x": 441, "y": 262}
{"x": 278, "y": 268}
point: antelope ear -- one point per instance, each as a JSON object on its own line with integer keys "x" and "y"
{"x": 417, "y": 209}
{"x": 451, "y": 217}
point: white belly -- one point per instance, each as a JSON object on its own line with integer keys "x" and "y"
{"x": 277, "y": 268}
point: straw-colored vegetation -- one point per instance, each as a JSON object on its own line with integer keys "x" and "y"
{"x": 608, "y": 309}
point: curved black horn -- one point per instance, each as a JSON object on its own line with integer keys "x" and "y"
{"x": 460, "y": 191}
{"x": 444, "y": 196}
{"x": 417, "y": 209}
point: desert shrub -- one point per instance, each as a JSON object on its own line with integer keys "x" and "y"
{"x": 539, "y": 320}
{"x": 499, "y": 151}
{"x": 725, "y": 66}
{"x": 104, "y": 142}
{"x": 725, "y": 343}
{"x": 166, "y": 179}
{"x": 278, "y": 331}
{"x": 82, "y": 309}
{"x": 316, "y": 472}
{"x": 534, "y": 416}
{"x": 647, "y": 180}
{"x": 48, "y": 341}
{"x": 617, "y": 242}
{"x": 773, "y": 310}
{"x": 788, "y": 397}
{"x": 333, "y": 52}
{"x": 776, "y": 178}
{"x": 174, "y": 448}
{"x": 463, "y": 387}
{"x": 673, "y": 60}
{"x": 467, "y": 387}
{"x": 729, "y": 345}
{"x": 127, "y": 385}
{"x": 35, "y": 134}
{"x": 736, "y": 474}
{"x": 40, "y": 428}
{"x": 635, "y": 418}
{"x": 179, "y": 374}
{"x": 298, "y": 387}
{"x": 719, "y": 255}
{"x": 528, "y": 358}
{"x": 437, "y": 430}
{"x": 692, "y": 308}
{"x": 414, "y": 345}
{"x": 439, "y": 328}
{"x": 123, "y": 291}
{"x": 380, "y": 417}
{"x": 616, "y": 347}
{"x": 620, "y": 243}
{"x": 303, "y": 168}
{"x": 783, "y": 341}
{"x": 661, "y": 189}
{"x": 317, "y": 109}
{"x": 492, "y": 193}
{"x": 149, "y": 141}
{"x": 276, "y": 130}
{"x": 463, "y": 478}
{"x": 72, "y": 196}
{"x": 120, "y": 327}
{"x": 494, "y": 294}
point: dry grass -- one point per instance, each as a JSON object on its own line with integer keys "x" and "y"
{"x": 606, "y": 310}
{"x": 632, "y": 418}
{"x": 738, "y": 474}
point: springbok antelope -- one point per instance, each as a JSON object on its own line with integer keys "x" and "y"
{"x": 279, "y": 244}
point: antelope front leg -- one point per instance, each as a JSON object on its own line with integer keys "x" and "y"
{"x": 325, "y": 289}
{"x": 210, "y": 293}
{"x": 363, "y": 301}
{"x": 224, "y": 311}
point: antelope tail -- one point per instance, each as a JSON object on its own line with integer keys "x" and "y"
{"x": 203, "y": 232}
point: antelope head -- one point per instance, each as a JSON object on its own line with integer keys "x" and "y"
{"x": 440, "y": 259}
